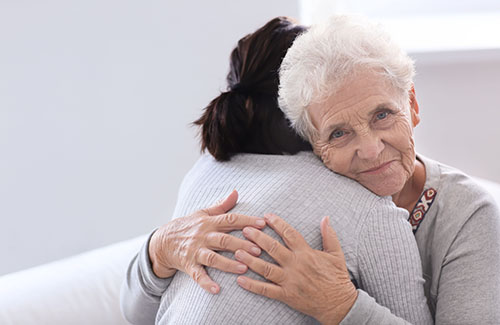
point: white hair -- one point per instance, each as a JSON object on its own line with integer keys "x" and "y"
{"x": 321, "y": 59}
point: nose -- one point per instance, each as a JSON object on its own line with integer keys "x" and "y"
{"x": 369, "y": 147}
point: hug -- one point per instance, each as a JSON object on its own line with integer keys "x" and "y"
{"x": 336, "y": 219}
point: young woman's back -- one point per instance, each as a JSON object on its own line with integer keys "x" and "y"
{"x": 301, "y": 190}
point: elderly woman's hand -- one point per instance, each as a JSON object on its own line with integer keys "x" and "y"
{"x": 311, "y": 281}
{"x": 189, "y": 243}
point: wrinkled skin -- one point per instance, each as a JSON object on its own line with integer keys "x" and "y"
{"x": 311, "y": 281}
{"x": 189, "y": 243}
{"x": 365, "y": 132}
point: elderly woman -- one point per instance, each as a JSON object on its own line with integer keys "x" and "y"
{"x": 348, "y": 89}
{"x": 244, "y": 123}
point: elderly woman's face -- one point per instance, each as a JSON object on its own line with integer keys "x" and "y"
{"x": 365, "y": 132}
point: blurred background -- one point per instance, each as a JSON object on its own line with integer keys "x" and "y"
{"x": 97, "y": 97}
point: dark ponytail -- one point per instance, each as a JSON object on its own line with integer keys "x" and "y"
{"x": 246, "y": 118}
{"x": 224, "y": 125}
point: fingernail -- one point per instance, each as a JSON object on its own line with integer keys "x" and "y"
{"x": 241, "y": 268}
{"x": 213, "y": 289}
{"x": 260, "y": 223}
{"x": 247, "y": 230}
{"x": 241, "y": 280}
{"x": 238, "y": 254}
{"x": 255, "y": 250}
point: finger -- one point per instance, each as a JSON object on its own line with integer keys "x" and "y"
{"x": 278, "y": 252}
{"x": 200, "y": 276}
{"x": 224, "y": 242}
{"x": 292, "y": 238}
{"x": 223, "y": 205}
{"x": 268, "y": 270}
{"x": 212, "y": 259}
{"x": 331, "y": 243}
{"x": 233, "y": 221}
{"x": 261, "y": 288}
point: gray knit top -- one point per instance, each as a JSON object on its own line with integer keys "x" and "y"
{"x": 459, "y": 243}
{"x": 379, "y": 246}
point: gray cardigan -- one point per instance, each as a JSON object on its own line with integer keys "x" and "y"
{"x": 459, "y": 243}
{"x": 379, "y": 246}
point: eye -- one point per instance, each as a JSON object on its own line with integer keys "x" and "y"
{"x": 382, "y": 115}
{"x": 337, "y": 134}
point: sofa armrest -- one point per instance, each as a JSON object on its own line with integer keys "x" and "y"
{"x": 83, "y": 289}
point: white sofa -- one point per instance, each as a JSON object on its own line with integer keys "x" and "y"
{"x": 83, "y": 289}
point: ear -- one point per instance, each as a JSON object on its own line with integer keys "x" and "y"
{"x": 414, "y": 109}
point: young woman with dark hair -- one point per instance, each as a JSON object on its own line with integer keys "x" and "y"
{"x": 253, "y": 149}
{"x": 246, "y": 118}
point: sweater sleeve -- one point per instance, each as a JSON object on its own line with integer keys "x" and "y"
{"x": 142, "y": 290}
{"x": 390, "y": 272}
{"x": 469, "y": 286}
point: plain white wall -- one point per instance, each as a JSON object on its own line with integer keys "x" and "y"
{"x": 96, "y": 98}
{"x": 458, "y": 95}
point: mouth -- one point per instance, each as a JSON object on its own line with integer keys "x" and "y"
{"x": 379, "y": 169}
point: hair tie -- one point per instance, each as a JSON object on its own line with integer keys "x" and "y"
{"x": 239, "y": 88}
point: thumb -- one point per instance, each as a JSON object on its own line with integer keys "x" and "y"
{"x": 331, "y": 243}
{"x": 223, "y": 205}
